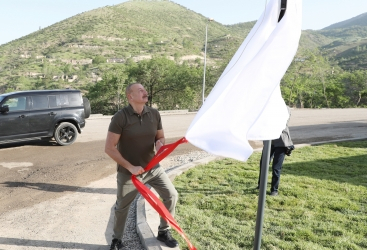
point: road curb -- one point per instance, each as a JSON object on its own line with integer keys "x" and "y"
{"x": 144, "y": 231}
{"x": 148, "y": 234}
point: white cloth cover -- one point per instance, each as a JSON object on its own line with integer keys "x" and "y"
{"x": 246, "y": 102}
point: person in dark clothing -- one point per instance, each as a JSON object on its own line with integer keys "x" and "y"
{"x": 279, "y": 149}
{"x": 133, "y": 133}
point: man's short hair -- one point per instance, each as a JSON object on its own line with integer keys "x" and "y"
{"x": 128, "y": 88}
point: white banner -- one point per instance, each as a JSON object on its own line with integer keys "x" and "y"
{"x": 246, "y": 102}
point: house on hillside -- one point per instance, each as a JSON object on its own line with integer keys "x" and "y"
{"x": 116, "y": 60}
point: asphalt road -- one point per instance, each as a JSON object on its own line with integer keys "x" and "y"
{"x": 306, "y": 125}
{"x": 32, "y": 172}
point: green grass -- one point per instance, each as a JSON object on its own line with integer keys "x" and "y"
{"x": 321, "y": 204}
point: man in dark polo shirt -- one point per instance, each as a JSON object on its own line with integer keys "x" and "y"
{"x": 132, "y": 134}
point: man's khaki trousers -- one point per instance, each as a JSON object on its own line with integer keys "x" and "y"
{"x": 126, "y": 193}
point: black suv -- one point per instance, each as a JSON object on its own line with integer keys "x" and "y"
{"x": 43, "y": 114}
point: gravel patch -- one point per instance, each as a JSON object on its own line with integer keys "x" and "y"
{"x": 131, "y": 238}
{"x": 190, "y": 157}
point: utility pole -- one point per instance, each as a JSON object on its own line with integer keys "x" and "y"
{"x": 206, "y": 40}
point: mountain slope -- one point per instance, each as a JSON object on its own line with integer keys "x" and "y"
{"x": 360, "y": 20}
{"x": 132, "y": 30}
{"x": 75, "y": 51}
{"x": 348, "y": 46}
{"x": 144, "y": 23}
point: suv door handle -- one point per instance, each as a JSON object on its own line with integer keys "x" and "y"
{"x": 51, "y": 113}
{"x": 22, "y": 116}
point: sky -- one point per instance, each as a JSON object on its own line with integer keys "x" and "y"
{"x": 22, "y": 17}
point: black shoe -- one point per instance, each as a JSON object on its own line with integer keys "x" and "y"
{"x": 116, "y": 244}
{"x": 274, "y": 193}
{"x": 166, "y": 237}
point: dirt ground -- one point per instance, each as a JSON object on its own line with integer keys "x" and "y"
{"x": 29, "y": 176}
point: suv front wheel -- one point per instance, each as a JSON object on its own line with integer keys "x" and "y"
{"x": 65, "y": 134}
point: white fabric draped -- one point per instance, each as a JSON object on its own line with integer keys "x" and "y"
{"x": 246, "y": 102}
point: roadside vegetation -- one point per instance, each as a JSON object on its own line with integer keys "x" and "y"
{"x": 322, "y": 202}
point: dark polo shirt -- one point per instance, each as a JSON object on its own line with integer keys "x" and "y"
{"x": 138, "y": 133}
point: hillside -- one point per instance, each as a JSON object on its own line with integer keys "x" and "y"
{"x": 76, "y": 51}
{"x": 349, "y": 42}
{"x": 132, "y": 30}
{"x": 360, "y": 20}
{"x": 311, "y": 39}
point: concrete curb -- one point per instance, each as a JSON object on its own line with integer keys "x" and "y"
{"x": 147, "y": 232}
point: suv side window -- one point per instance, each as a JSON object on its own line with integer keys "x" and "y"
{"x": 16, "y": 103}
{"x": 54, "y": 101}
{"x": 40, "y": 102}
{"x": 73, "y": 99}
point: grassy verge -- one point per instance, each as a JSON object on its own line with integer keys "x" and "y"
{"x": 322, "y": 202}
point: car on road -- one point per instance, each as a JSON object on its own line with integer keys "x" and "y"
{"x": 58, "y": 114}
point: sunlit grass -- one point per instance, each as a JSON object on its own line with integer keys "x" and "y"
{"x": 321, "y": 204}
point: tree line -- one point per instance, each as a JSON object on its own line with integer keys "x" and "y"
{"x": 310, "y": 82}
{"x": 170, "y": 85}
{"x": 314, "y": 82}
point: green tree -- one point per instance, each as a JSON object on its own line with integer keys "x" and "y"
{"x": 170, "y": 85}
{"x": 24, "y": 83}
{"x": 306, "y": 82}
{"x": 187, "y": 92}
{"x": 108, "y": 95}
{"x": 356, "y": 87}
{"x": 68, "y": 69}
{"x": 336, "y": 91}
{"x": 99, "y": 59}
{"x": 152, "y": 74}
{"x": 187, "y": 43}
